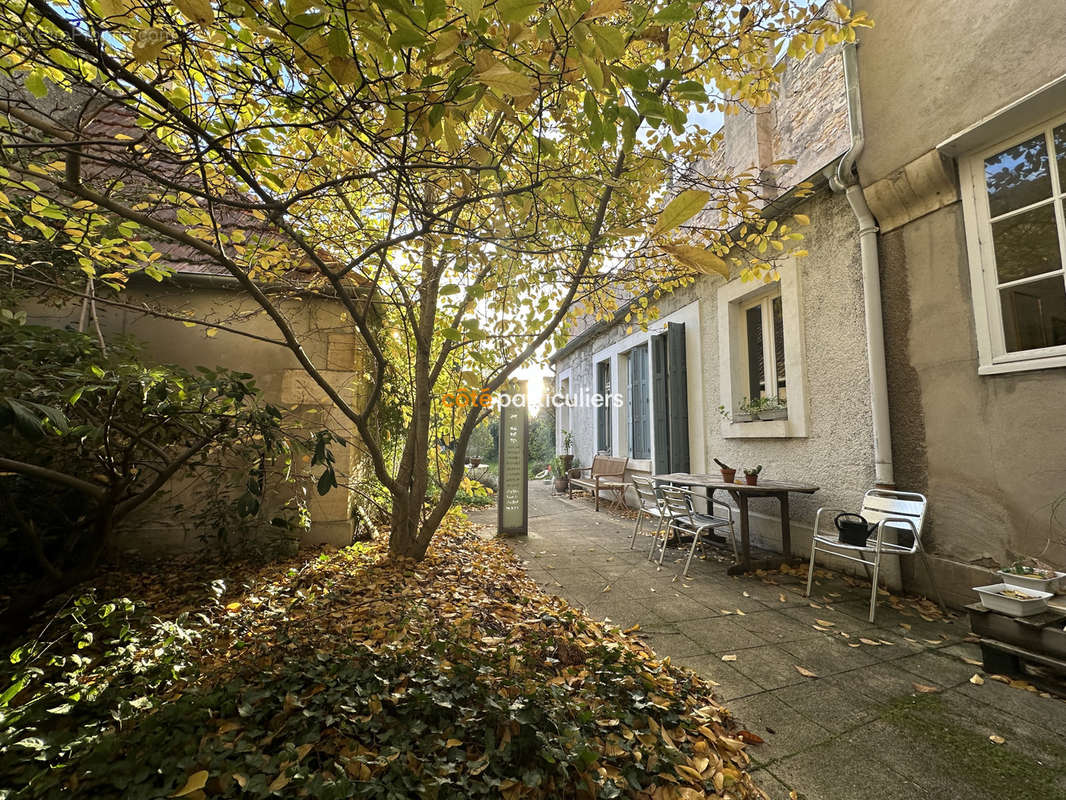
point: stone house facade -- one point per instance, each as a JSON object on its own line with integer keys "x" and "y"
{"x": 975, "y": 369}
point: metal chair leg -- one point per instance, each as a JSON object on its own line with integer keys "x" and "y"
{"x": 810, "y": 570}
{"x": 733, "y": 540}
{"x": 691, "y": 552}
{"x": 636, "y": 527}
{"x": 873, "y": 588}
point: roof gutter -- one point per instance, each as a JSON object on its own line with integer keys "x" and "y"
{"x": 846, "y": 180}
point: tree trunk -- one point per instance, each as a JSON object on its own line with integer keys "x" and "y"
{"x": 404, "y": 540}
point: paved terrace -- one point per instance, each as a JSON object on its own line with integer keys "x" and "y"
{"x": 888, "y": 711}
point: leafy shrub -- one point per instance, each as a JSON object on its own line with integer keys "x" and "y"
{"x": 109, "y": 433}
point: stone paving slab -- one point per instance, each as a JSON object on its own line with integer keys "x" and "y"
{"x": 861, "y": 728}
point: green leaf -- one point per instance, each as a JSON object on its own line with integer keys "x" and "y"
{"x": 505, "y": 80}
{"x": 451, "y": 334}
{"x": 516, "y": 10}
{"x": 405, "y": 34}
{"x": 472, "y": 8}
{"x": 35, "y": 83}
{"x": 680, "y": 210}
{"x": 611, "y": 41}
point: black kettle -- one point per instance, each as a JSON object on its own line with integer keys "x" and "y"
{"x": 854, "y": 529}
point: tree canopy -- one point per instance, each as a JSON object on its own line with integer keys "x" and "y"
{"x": 477, "y": 170}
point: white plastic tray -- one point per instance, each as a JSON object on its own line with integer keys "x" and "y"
{"x": 1053, "y": 585}
{"x": 993, "y": 600}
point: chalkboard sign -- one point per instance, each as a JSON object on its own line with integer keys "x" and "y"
{"x": 512, "y": 500}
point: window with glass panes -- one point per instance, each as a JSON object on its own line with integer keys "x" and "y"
{"x": 764, "y": 338}
{"x": 1020, "y": 241}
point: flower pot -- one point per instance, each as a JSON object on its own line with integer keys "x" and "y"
{"x": 567, "y": 459}
{"x": 752, "y": 480}
{"x": 729, "y": 475}
{"x": 738, "y": 417}
{"x": 475, "y": 462}
{"x": 561, "y": 484}
{"x": 780, "y": 413}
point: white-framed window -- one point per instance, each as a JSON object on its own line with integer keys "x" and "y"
{"x": 1013, "y": 203}
{"x": 761, "y": 353}
{"x": 762, "y": 346}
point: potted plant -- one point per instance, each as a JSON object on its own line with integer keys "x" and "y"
{"x": 771, "y": 408}
{"x": 561, "y": 481}
{"x": 752, "y": 475}
{"x": 475, "y": 461}
{"x": 747, "y": 410}
{"x": 729, "y": 475}
{"x": 567, "y": 456}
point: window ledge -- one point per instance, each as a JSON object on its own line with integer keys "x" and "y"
{"x": 1026, "y": 365}
{"x": 761, "y": 429}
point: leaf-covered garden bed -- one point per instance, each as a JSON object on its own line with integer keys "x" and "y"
{"x": 343, "y": 676}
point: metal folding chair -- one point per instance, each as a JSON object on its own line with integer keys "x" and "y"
{"x": 685, "y": 520}
{"x": 650, "y": 508}
{"x": 900, "y": 515}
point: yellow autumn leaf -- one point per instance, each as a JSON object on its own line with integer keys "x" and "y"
{"x": 148, "y": 44}
{"x": 697, "y": 258}
{"x": 505, "y": 80}
{"x": 806, "y": 673}
{"x": 977, "y": 680}
{"x": 233, "y": 607}
{"x": 194, "y": 783}
{"x": 278, "y": 783}
{"x": 680, "y": 210}
{"x": 603, "y": 8}
{"x": 802, "y": 219}
{"x": 198, "y": 11}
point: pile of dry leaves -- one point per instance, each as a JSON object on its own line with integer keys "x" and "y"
{"x": 346, "y": 675}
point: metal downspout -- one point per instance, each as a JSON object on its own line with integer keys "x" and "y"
{"x": 847, "y": 182}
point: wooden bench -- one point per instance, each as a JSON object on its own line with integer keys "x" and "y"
{"x": 606, "y": 474}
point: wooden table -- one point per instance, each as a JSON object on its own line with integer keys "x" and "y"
{"x": 741, "y": 492}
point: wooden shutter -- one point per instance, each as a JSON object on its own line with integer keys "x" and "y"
{"x": 638, "y": 402}
{"x": 661, "y": 411}
{"x": 677, "y": 396}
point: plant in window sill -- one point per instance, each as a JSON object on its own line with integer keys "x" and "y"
{"x": 771, "y": 408}
{"x": 752, "y": 475}
{"x": 725, "y": 414}
{"x": 748, "y": 410}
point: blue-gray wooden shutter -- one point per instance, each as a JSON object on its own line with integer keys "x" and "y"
{"x": 638, "y": 402}
{"x": 660, "y": 414}
{"x": 677, "y": 396}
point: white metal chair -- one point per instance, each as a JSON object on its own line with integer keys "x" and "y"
{"x": 650, "y": 508}
{"x": 683, "y": 519}
{"x": 899, "y": 517}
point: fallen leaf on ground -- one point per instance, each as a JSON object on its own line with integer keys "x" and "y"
{"x": 825, "y": 622}
{"x": 750, "y": 738}
{"x": 973, "y": 662}
{"x": 806, "y": 673}
{"x": 996, "y": 739}
{"x": 977, "y": 680}
{"x": 195, "y": 783}
{"x": 729, "y": 657}
{"x": 606, "y": 588}
{"x": 870, "y": 642}
{"x": 925, "y": 688}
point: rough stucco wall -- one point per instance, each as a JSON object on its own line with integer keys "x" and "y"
{"x": 328, "y": 340}
{"x": 995, "y": 445}
{"x": 989, "y": 450}
{"x": 929, "y": 70}
{"x": 837, "y": 455}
